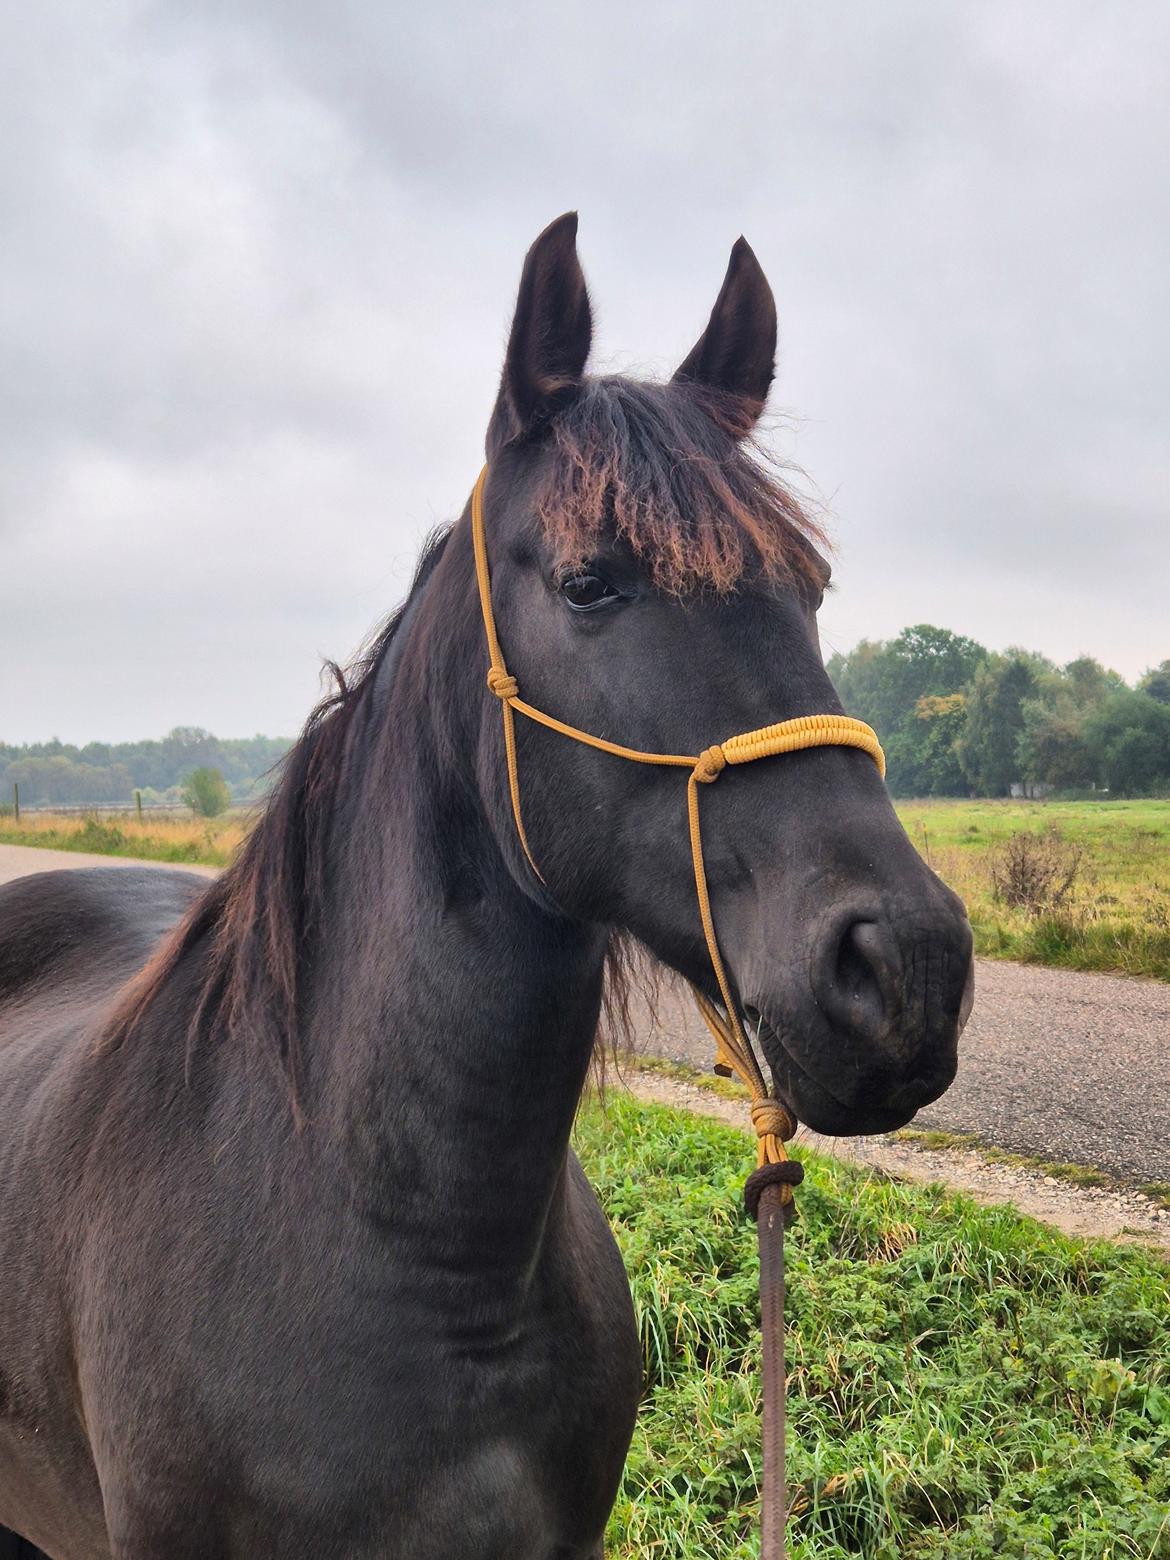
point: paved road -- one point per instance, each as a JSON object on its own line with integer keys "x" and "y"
{"x": 1065, "y": 1066}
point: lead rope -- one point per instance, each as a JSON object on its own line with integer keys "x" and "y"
{"x": 768, "y": 1190}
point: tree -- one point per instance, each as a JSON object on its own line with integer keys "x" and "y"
{"x": 1088, "y": 682}
{"x": 1052, "y": 749}
{"x": 1129, "y": 738}
{"x": 988, "y": 748}
{"x": 885, "y": 684}
{"x": 206, "y": 792}
{"x": 1156, "y": 683}
{"x": 941, "y": 719}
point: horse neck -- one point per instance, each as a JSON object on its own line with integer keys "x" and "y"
{"x": 458, "y": 1015}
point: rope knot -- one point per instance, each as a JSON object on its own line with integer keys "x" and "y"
{"x": 709, "y": 765}
{"x": 502, "y": 683}
{"x": 771, "y": 1119}
{"x": 786, "y": 1175}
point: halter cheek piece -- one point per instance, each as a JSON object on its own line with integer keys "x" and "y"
{"x": 772, "y": 1121}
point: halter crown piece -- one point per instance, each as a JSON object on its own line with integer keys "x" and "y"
{"x": 772, "y": 1121}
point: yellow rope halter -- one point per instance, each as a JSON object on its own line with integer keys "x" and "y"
{"x": 773, "y": 1122}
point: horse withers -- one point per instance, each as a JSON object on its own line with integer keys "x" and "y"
{"x": 296, "y": 1258}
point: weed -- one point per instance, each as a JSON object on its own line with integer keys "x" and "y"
{"x": 1034, "y": 872}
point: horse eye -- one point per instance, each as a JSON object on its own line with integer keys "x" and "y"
{"x": 583, "y": 591}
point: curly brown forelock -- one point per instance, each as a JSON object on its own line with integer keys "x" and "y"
{"x": 668, "y": 470}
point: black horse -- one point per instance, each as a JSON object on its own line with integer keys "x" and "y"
{"x": 296, "y": 1260}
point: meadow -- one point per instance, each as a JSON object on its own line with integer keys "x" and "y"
{"x": 963, "y": 1382}
{"x": 1085, "y": 885}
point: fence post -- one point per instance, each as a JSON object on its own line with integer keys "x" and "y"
{"x": 138, "y": 804}
{"x": 16, "y": 800}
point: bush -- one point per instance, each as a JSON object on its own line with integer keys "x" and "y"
{"x": 206, "y": 793}
{"x": 1034, "y": 872}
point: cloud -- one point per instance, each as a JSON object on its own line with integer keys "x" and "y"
{"x": 259, "y": 261}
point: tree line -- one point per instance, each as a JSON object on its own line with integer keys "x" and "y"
{"x": 957, "y": 719}
{"x": 102, "y": 773}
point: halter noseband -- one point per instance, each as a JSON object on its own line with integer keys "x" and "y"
{"x": 771, "y": 1119}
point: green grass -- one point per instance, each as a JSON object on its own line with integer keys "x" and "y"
{"x": 1117, "y": 916}
{"x": 210, "y": 842}
{"x": 964, "y": 1382}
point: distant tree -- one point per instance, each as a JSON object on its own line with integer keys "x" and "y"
{"x": 1156, "y": 683}
{"x": 206, "y": 792}
{"x": 1052, "y": 748}
{"x": 885, "y": 684}
{"x": 988, "y": 747}
{"x": 941, "y": 719}
{"x": 1089, "y": 682}
{"x": 1129, "y": 737}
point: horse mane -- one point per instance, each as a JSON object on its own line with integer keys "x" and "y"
{"x": 674, "y": 471}
{"x": 258, "y": 921}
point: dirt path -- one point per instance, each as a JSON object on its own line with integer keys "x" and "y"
{"x": 22, "y": 860}
{"x": 1077, "y": 1210}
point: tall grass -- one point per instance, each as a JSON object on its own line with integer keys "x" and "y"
{"x": 1114, "y": 916}
{"x": 183, "y": 839}
{"x": 964, "y": 1383}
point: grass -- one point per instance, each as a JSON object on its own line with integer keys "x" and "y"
{"x": 208, "y": 842}
{"x": 1116, "y": 917}
{"x": 964, "y": 1382}
{"x": 1057, "y": 1169}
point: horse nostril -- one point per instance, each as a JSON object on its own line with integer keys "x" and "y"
{"x": 865, "y": 986}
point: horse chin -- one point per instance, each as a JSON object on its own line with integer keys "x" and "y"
{"x": 847, "y": 1107}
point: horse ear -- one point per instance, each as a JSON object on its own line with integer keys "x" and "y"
{"x": 737, "y": 351}
{"x": 551, "y": 333}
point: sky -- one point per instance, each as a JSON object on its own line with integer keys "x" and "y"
{"x": 258, "y": 260}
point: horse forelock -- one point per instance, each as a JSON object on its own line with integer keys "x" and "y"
{"x": 673, "y": 471}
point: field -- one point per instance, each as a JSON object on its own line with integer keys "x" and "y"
{"x": 1105, "y": 904}
{"x": 964, "y": 1383}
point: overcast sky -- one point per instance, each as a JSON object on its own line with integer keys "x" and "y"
{"x": 257, "y": 264}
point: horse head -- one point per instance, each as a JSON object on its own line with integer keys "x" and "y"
{"x": 656, "y": 585}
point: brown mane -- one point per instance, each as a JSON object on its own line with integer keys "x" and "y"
{"x": 673, "y": 470}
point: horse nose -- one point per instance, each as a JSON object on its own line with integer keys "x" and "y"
{"x": 858, "y": 982}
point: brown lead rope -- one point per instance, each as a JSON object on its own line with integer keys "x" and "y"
{"x": 768, "y": 1190}
{"x": 770, "y": 1222}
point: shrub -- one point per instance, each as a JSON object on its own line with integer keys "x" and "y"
{"x": 1034, "y": 872}
{"x": 206, "y": 793}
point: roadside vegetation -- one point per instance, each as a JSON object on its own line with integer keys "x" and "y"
{"x": 963, "y": 1382}
{"x": 1082, "y": 885}
{"x": 181, "y": 838}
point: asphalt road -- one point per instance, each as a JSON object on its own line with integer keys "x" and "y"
{"x": 1054, "y": 1064}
